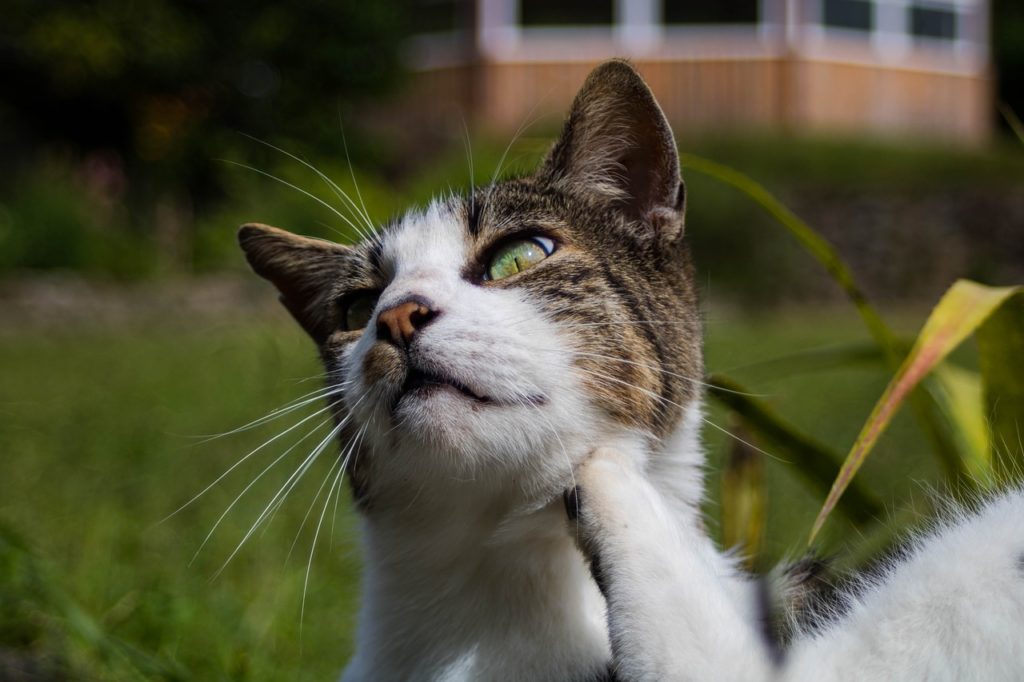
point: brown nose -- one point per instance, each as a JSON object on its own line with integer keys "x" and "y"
{"x": 400, "y": 323}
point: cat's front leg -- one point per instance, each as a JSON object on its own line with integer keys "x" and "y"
{"x": 671, "y": 615}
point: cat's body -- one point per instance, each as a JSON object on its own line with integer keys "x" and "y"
{"x": 951, "y": 609}
{"x": 479, "y": 352}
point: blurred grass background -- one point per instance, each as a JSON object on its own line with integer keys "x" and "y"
{"x": 101, "y": 437}
{"x": 129, "y": 327}
{"x": 102, "y": 432}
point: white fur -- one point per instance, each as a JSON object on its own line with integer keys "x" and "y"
{"x": 495, "y": 342}
{"x": 678, "y": 611}
{"x": 470, "y": 571}
{"x": 471, "y": 574}
{"x": 952, "y": 610}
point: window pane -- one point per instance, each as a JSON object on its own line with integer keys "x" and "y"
{"x": 704, "y": 12}
{"x": 439, "y": 16}
{"x": 933, "y": 23}
{"x": 855, "y": 14}
{"x": 565, "y": 12}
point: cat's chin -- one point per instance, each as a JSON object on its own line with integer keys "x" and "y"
{"x": 464, "y": 432}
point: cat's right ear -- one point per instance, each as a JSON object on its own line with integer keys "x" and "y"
{"x": 617, "y": 147}
{"x": 302, "y": 268}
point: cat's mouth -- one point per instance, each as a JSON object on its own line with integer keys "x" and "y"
{"x": 419, "y": 383}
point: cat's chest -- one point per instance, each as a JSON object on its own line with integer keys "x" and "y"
{"x": 518, "y": 604}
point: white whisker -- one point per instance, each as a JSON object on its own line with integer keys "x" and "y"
{"x": 344, "y": 143}
{"x": 358, "y": 442}
{"x": 243, "y": 459}
{"x": 316, "y": 535}
{"x": 340, "y": 193}
{"x": 312, "y": 196}
{"x": 287, "y": 408}
{"x": 654, "y": 395}
{"x": 250, "y": 485}
{"x": 283, "y": 491}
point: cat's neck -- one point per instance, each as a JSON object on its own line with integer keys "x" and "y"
{"x": 471, "y": 582}
{"x": 464, "y": 590}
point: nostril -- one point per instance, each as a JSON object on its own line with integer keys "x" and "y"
{"x": 423, "y": 316}
{"x": 384, "y": 328}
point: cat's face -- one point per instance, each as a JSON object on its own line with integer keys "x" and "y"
{"x": 492, "y": 340}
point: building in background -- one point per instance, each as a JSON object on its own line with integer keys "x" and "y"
{"x": 893, "y": 67}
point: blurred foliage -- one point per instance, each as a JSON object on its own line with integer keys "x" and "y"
{"x": 156, "y": 87}
{"x": 52, "y": 220}
{"x": 114, "y": 113}
{"x": 969, "y": 417}
{"x": 1008, "y": 52}
{"x": 50, "y": 632}
{"x": 101, "y": 441}
{"x": 56, "y": 213}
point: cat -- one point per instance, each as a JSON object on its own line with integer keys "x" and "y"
{"x": 516, "y": 381}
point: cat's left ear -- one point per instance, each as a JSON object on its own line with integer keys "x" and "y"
{"x": 303, "y": 269}
{"x": 617, "y": 146}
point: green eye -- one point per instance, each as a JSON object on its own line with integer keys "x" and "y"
{"x": 518, "y": 255}
{"x": 359, "y": 309}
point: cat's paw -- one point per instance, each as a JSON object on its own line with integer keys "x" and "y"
{"x": 609, "y": 487}
{"x": 605, "y": 475}
{"x": 596, "y": 473}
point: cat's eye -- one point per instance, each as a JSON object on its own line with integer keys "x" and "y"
{"x": 358, "y": 309}
{"x": 517, "y": 255}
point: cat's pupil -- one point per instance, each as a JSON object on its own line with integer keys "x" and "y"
{"x": 518, "y": 255}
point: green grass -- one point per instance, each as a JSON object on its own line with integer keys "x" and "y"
{"x": 99, "y": 437}
{"x": 98, "y": 431}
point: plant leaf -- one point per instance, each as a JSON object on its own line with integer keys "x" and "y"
{"x": 925, "y": 407}
{"x": 815, "y": 244}
{"x": 33, "y": 586}
{"x": 814, "y": 462}
{"x": 1013, "y": 120}
{"x": 959, "y": 392}
{"x": 743, "y": 500}
{"x": 1001, "y": 352}
{"x": 962, "y": 309}
{"x": 814, "y": 360}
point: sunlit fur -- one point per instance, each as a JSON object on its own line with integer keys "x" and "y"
{"x": 951, "y": 607}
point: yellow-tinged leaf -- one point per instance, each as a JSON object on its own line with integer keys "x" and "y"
{"x": 963, "y": 308}
{"x": 962, "y": 402}
{"x": 743, "y": 500}
{"x": 1001, "y": 352}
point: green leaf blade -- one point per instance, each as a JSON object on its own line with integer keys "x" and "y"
{"x": 960, "y": 312}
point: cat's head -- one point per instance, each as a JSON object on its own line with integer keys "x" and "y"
{"x": 492, "y": 340}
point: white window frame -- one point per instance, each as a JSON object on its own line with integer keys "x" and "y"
{"x": 637, "y": 30}
{"x": 890, "y": 37}
{"x": 793, "y": 27}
